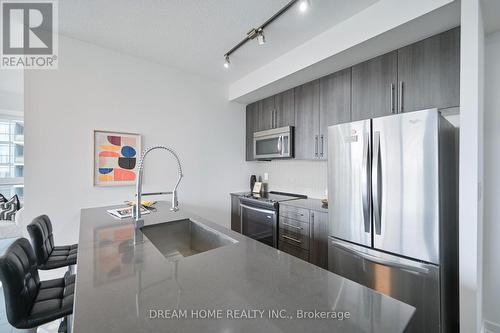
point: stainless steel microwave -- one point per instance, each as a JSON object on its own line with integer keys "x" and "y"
{"x": 274, "y": 143}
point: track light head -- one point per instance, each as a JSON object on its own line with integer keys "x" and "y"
{"x": 261, "y": 39}
{"x": 304, "y": 5}
{"x": 259, "y": 31}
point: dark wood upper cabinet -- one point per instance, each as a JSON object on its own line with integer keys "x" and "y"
{"x": 307, "y": 120}
{"x": 374, "y": 84}
{"x": 266, "y": 114}
{"x": 420, "y": 76}
{"x": 284, "y": 109}
{"x": 429, "y": 72}
{"x": 252, "y": 125}
{"x": 334, "y": 105}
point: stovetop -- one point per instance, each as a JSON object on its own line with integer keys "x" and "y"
{"x": 274, "y": 197}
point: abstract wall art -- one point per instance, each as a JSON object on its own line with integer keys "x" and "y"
{"x": 115, "y": 158}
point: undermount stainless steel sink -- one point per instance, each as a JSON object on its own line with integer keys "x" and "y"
{"x": 184, "y": 238}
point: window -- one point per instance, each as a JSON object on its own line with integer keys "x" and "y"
{"x": 11, "y": 156}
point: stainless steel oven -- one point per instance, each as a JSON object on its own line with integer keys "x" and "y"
{"x": 273, "y": 143}
{"x": 259, "y": 215}
{"x": 259, "y": 223}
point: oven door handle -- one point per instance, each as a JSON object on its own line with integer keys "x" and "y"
{"x": 258, "y": 209}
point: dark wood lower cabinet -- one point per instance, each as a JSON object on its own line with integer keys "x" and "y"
{"x": 235, "y": 214}
{"x": 319, "y": 239}
{"x": 303, "y": 233}
{"x": 294, "y": 250}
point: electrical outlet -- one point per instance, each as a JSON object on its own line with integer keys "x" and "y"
{"x": 266, "y": 176}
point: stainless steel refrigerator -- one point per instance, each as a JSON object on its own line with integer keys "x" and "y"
{"x": 393, "y": 211}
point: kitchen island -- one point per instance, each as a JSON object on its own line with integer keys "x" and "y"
{"x": 128, "y": 284}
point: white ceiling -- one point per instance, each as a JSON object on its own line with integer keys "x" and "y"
{"x": 193, "y": 35}
{"x": 491, "y": 15}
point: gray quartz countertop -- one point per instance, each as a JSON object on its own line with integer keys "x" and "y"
{"x": 239, "y": 194}
{"x": 122, "y": 287}
{"x": 309, "y": 203}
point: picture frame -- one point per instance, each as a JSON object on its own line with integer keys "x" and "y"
{"x": 116, "y": 155}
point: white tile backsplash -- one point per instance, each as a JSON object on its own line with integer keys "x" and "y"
{"x": 294, "y": 176}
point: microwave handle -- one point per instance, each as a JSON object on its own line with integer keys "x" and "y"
{"x": 280, "y": 144}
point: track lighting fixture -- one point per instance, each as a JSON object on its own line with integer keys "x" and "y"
{"x": 259, "y": 32}
{"x": 260, "y": 37}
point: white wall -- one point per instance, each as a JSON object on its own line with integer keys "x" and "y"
{"x": 95, "y": 88}
{"x": 471, "y": 165}
{"x": 11, "y": 90}
{"x": 491, "y": 249}
{"x": 296, "y": 176}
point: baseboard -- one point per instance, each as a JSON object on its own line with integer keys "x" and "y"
{"x": 490, "y": 327}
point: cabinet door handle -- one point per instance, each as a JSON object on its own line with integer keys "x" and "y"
{"x": 393, "y": 109}
{"x": 321, "y": 146}
{"x": 292, "y": 226}
{"x": 272, "y": 118}
{"x": 275, "y": 118}
{"x": 316, "y": 145}
{"x": 400, "y": 102}
{"x": 292, "y": 239}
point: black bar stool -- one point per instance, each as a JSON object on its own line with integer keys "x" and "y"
{"x": 30, "y": 302}
{"x": 48, "y": 255}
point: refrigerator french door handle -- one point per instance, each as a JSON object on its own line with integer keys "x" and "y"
{"x": 415, "y": 268}
{"x": 400, "y": 98}
{"x": 376, "y": 183}
{"x": 393, "y": 109}
{"x": 316, "y": 145}
{"x": 364, "y": 182}
{"x": 321, "y": 145}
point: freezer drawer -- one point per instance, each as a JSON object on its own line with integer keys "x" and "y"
{"x": 409, "y": 281}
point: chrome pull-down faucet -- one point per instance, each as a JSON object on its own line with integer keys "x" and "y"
{"x": 138, "y": 187}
